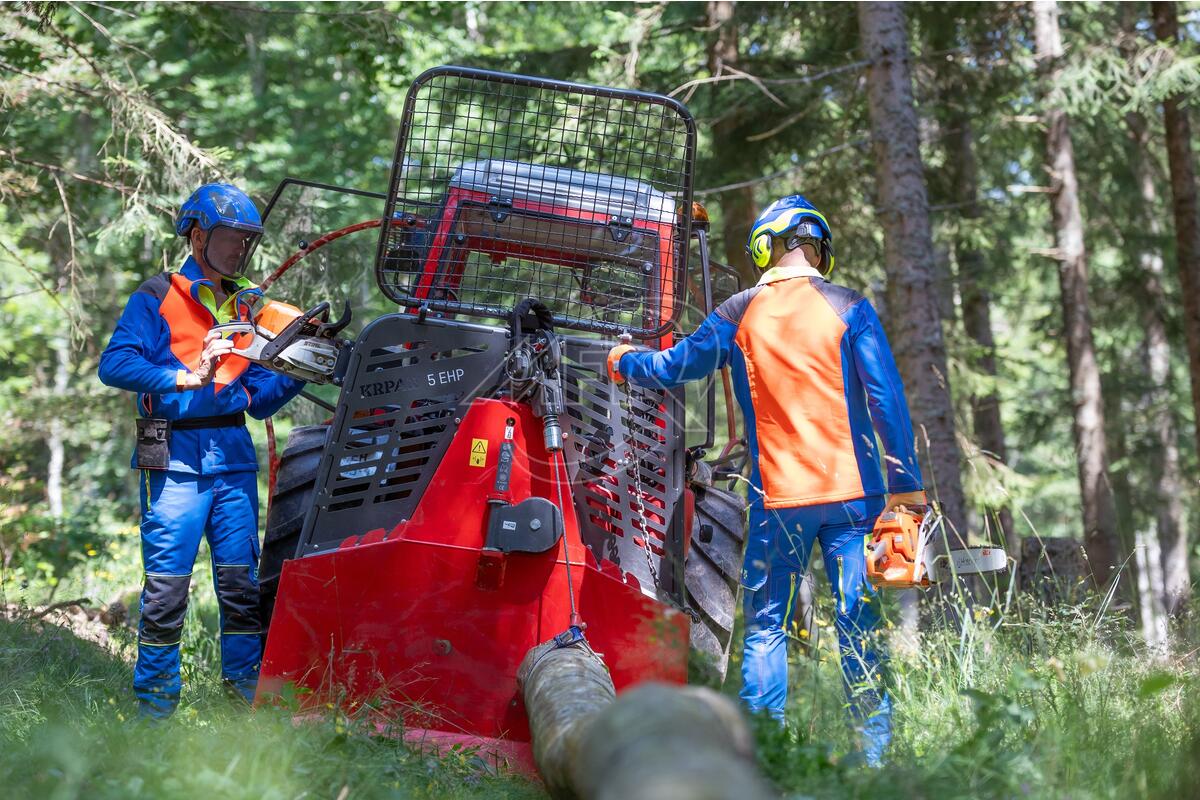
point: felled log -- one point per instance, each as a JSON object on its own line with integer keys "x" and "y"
{"x": 655, "y": 742}
{"x": 563, "y": 689}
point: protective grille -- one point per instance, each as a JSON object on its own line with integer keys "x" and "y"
{"x": 392, "y": 429}
{"x": 506, "y": 187}
{"x": 624, "y": 447}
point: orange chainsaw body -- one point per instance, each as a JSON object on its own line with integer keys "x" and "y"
{"x": 274, "y": 316}
{"x": 895, "y": 556}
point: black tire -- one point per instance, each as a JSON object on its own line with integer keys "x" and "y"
{"x": 295, "y": 488}
{"x": 712, "y": 574}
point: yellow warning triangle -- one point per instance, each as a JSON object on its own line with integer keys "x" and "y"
{"x": 480, "y": 446}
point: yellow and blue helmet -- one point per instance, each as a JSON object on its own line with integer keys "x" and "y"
{"x": 796, "y": 220}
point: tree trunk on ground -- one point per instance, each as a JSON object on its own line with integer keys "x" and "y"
{"x": 1099, "y": 511}
{"x": 977, "y": 316}
{"x": 1168, "y": 480}
{"x": 1187, "y": 254}
{"x": 655, "y": 742}
{"x": 914, "y": 321}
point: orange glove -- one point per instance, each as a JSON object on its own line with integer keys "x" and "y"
{"x": 614, "y": 362}
{"x": 909, "y": 500}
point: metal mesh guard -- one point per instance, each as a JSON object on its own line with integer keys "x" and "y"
{"x": 506, "y": 187}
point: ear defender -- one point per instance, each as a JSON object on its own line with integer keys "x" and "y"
{"x": 760, "y": 250}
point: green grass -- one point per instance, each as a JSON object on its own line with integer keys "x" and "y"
{"x": 1036, "y": 703}
{"x": 68, "y": 729}
{"x": 1039, "y": 704}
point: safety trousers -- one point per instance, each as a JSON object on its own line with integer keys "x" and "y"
{"x": 779, "y": 545}
{"x": 177, "y": 509}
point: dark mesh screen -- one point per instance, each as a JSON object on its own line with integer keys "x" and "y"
{"x": 506, "y": 187}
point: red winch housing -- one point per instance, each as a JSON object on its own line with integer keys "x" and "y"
{"x": 419, "y": 620}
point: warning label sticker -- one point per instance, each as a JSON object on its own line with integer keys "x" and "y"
{"x": 479, "y": 448}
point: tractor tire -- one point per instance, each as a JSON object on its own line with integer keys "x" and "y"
{"x": 712, "y": 574}
{"x": 295, "y": 488}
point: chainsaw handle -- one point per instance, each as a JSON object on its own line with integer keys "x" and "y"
{"x": 320, "y": 309}
{"x": 331, "y": 329}
{"x": 234, "y": 328}
{"x": 295, "y": 329}
{"x": 237, "y": 328}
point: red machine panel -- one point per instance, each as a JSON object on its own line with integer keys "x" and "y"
{"x": 411, "y": 621}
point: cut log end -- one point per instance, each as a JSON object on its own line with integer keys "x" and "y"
{"x": 655, "y": 741}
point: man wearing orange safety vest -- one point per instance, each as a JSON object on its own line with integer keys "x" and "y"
{"x": 816, "y": 382}
{"x": 197, "y": 461}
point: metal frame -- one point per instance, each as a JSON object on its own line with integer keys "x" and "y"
{"x": 289, "y": 181}
{"x": 682, "y": 226}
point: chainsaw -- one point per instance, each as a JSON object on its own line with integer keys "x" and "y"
{"x": 900, "y": 554}
{"x": 299, "y": 344}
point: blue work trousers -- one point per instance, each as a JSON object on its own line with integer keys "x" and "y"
{"x": 177, "y": 509}
{"x": 779, "y": 544}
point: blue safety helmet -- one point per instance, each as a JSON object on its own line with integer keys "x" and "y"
{"x": 228, "y": 215}
{"x": 795, "y": 220}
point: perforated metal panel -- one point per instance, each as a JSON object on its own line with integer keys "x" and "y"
{"x": 622, "y": 447}
{"x": 505, "y": 187}
{"x": 392, "y": 430}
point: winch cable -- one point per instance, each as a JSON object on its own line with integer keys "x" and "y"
{"x": 558, "y": 461}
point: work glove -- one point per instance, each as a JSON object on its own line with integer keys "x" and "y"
{"x": 913, "y": 501}
{"x": 614, "y": 362}
{"x": 214, "y": 348}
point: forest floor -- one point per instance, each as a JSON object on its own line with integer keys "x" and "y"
{"x": 1032, "y": 702}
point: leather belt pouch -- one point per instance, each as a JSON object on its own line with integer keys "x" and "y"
{"x": 153, "y": 443}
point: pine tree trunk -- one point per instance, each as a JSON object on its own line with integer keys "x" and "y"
{"x": 738, "y": 209}
{"x": 738, "y": 213}
{"x": 1168, "y": 480}
{"x": 55, "y": 441}
{"x": 914, "y": 321}
{"x": 1091, "y": 448}
{"x": 1149, "y": 576}
{"x": 1187, "y": 254}
{"x": 977, "y": 316}
{"x": 59, "y": 249}
{"x": 1185, "y": 204}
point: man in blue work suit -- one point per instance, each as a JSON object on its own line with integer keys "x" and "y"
{"x": 198, "y": 467}
{"x": 816, "y": 381}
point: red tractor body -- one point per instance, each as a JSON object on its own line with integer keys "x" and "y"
{"x": 483, "y": 488}
{"x": 420, "y": 620}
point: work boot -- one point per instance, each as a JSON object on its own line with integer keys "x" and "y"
{"x": 156, "y": 709}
